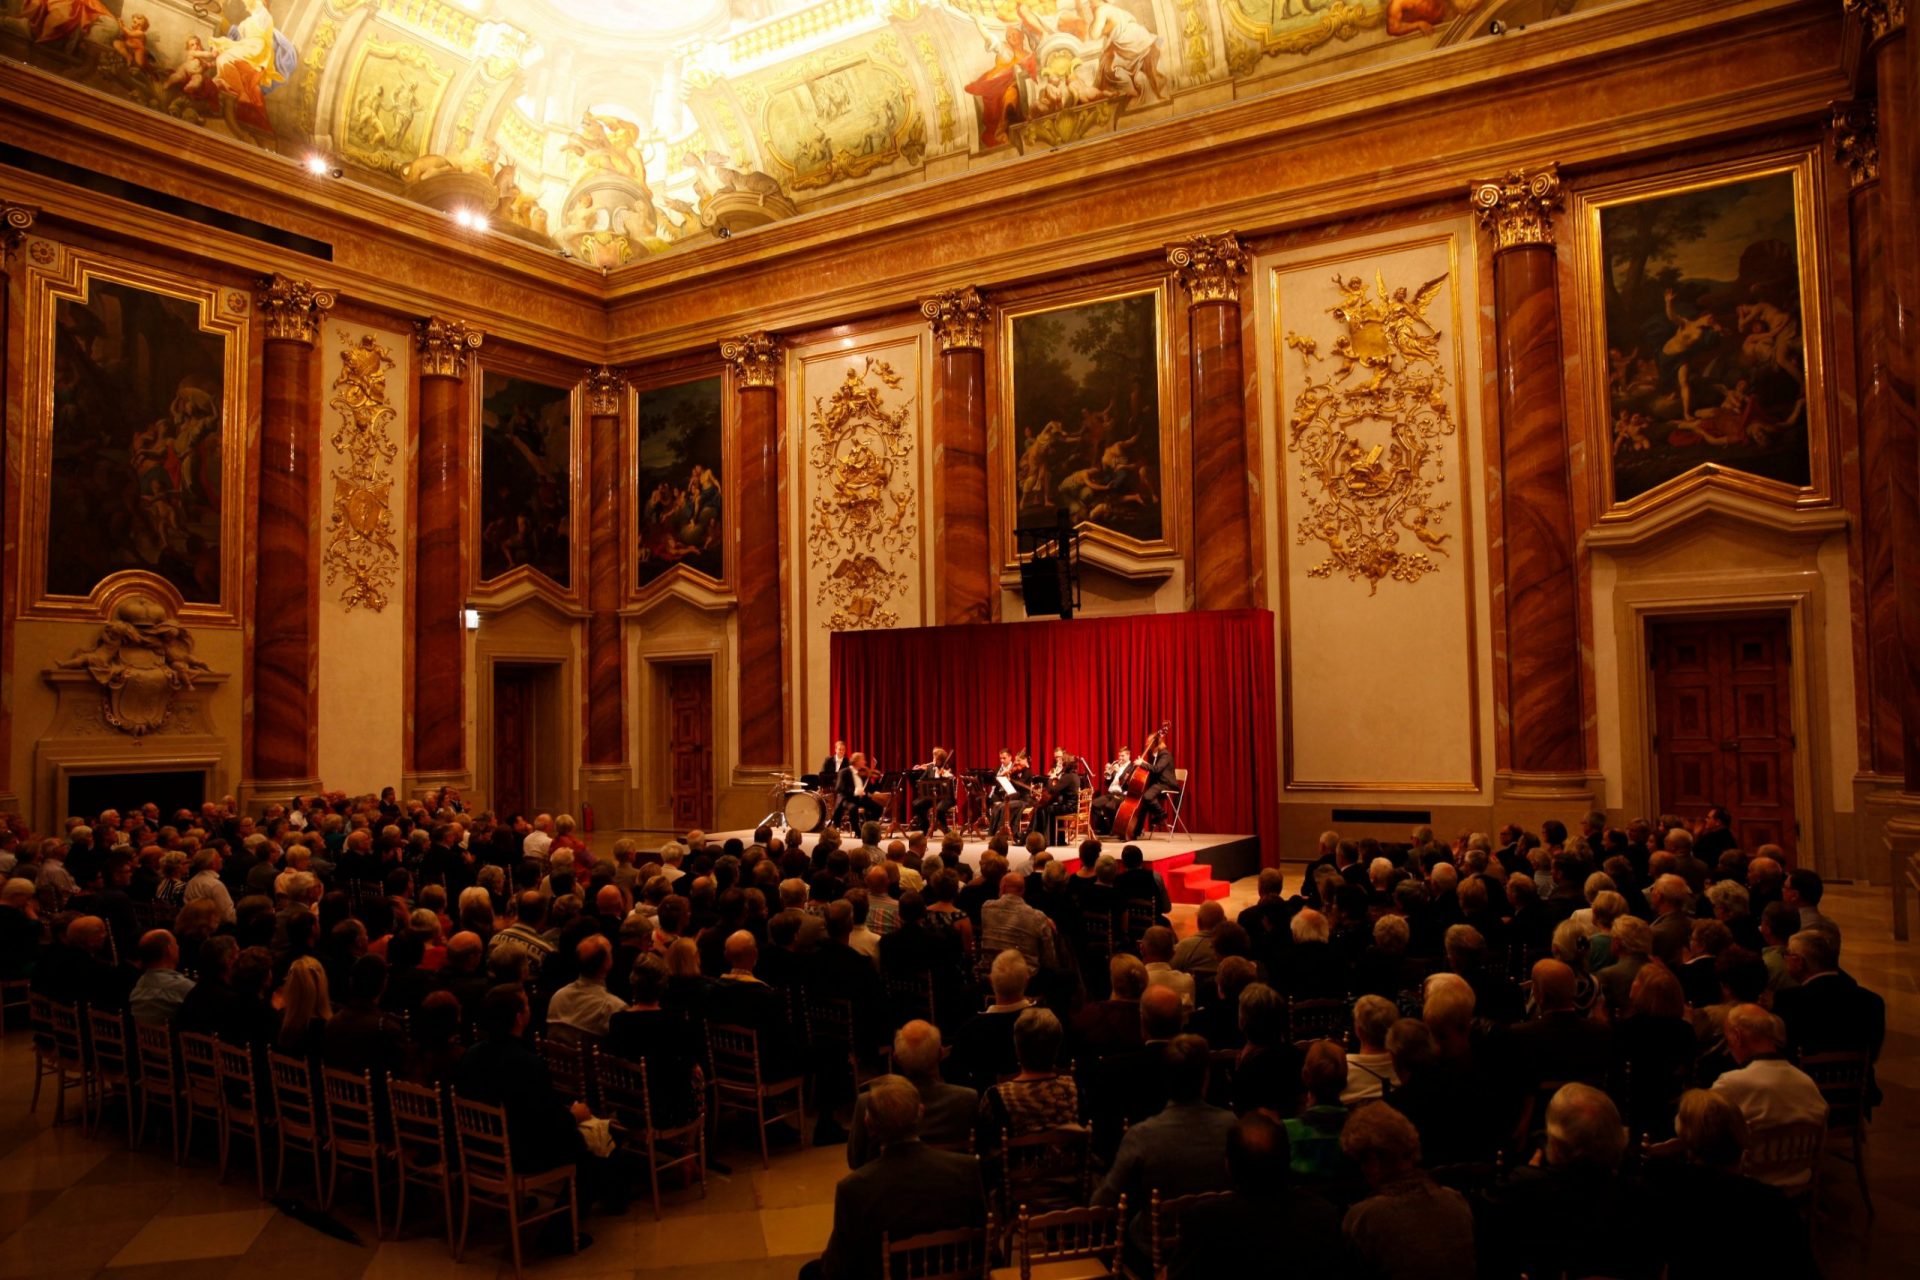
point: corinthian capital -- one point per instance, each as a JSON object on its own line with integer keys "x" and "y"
{"x": 15, "y": 219}
{"x": 959, "y": 318}
{"x": 1856, "y": 140}
{"x": 1209, "y": 266}
{"x": 755, "y": 358}
{"x": 604, "y": 386}
{"x": 444, "y": 346}
{"x": 294, "y": 309}
{"x": 1518, "y": 209}
{"x": 1881, "y": 18}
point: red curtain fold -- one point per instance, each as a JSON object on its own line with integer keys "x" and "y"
{"x": 1090, "y": 685}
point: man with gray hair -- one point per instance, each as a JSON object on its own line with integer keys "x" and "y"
{"x": 1673, "y": 921}
{"x": 947, "y": 1111}
{"x": 1827, "y": 1011}
{"x": 1563, "y": 1216}
{"x": 1770, "y": 1091}
{"x": 909, "y": 1189}
{"x": 584, "y": 1005}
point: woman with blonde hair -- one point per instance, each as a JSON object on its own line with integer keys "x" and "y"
{"x": 304, "y": 1007}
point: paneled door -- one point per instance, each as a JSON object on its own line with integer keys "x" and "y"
{"x": 513, "y": 744}
{"x": 690, "y": 743}
{"x": 1723, "y": 721}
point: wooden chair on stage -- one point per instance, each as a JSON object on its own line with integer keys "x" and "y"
{"x": 1071, "y": 828}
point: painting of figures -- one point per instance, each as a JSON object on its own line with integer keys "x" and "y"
{"x": 1049, "y": 56}
{"x": 138, "y": 405}
{"x": 679, "y": 463}
{"x": 1086, "y": 413}
{"x": 1705, "y": 344}
{"x": 526, "y": 494}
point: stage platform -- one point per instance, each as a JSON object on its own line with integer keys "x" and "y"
{"x": 1195, "y": 867}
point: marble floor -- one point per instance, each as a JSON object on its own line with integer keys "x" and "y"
{"x": 72, "y": 1206}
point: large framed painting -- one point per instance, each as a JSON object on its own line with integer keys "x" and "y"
{"x": 135, "y": 450}
{"x": 528, "y": 454}
{"x": 679, "y": 481}
{"x": 1087, "y": 399}
{"x": 1702, "y": 308}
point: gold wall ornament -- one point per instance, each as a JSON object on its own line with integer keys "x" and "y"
{"x": 754, "y": 357}
{"x": 141, "y": 659}
{"x": 1518, "y": 209}
{"x": 360, "y": 532}
{"x": 860, "y": 451}
{"x": 605, "y": 386}
{"x": 294, "y": 309}
{"x": 1856, "y": 140}
{"x": 1368, "y": 434}
{"x": 444, "y": 346}
{"x": 1209, "y": 266}
{"x": 1881, "y": 18}
{"x": 959, "y": 319}
{"x": 15, "y": 220}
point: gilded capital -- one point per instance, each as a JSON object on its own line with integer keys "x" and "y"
{"x": 755, "y": 358}
{"x": 959, "y": 318}
{"x": 294, "y": 309}
{"x": 1881, "y": 18}
{"x": 1518, "y": 209}
{"x": 1856, "y": 141}
{"x": 444, "y": 346}
{"x": 15, "y": 219}
{"x": 604, "y": 386}
{"x": 1209, "y": 266}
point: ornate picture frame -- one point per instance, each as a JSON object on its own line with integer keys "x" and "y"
{"x": 57, "y": 275}
{"x": 1766, "y": 335}
{"x": 1113, "y": 549}
{"x": 525, "y": 578}
{"x": 633, "y": 476}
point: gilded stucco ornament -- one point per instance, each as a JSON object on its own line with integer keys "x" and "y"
{"x": 360, "y": 530}
{"x": 754, "y": 357}
{"x": 1209, "y": 266}
{"x": 445, "y": 346}
{"x": 959, "y": 319}
{"x": 15, "y": 220}
{"x": 141, "y": 659}
{"x": 1881, "y": 18}
{"x": 862, "y": 518}
{"x": 605, "y": 386}
{"x": 1856, "y": 141}
{"x": 1368, "y": 434}
{"x": 1518, "y": 209}
{"x": 294, "y": 309}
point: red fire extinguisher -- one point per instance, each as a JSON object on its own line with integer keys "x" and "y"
{"x": 586, "y": 818}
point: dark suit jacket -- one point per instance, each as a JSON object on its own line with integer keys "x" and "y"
{"x": 664, "y": 1041}
{"x": 540, "y": 1125}
{"x": 829, "y": 775}
{"x": 1548, "y": 1221}
{"x": 1238, "y": 1236}
{"x": 362, "y": 1040}
{"x": 910, "y": 1190}
{"x": 1831, "y": 1013}
{"x": 764, "y": 1009}
{"x": 1554, "y": 1046}
{"x": 948, "y": 1112}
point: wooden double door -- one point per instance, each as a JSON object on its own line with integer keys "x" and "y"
{"x": 1723, "y": 721}
{"x": 689, "y": 698}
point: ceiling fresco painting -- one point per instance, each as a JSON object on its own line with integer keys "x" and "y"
{"x": 610, "y": 130}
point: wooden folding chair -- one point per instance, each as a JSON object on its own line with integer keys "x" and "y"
{"x": 422, "y": 1144}
{"x": 487, "y": 1178}
{"x": 16, "y": 998}
{"x": 832, "y": 1022}
{"x": 200, "y": 1074}
{"x": 962, "y": 1254}
{"x": 666, "y": 1141}
{"x": 1068, "y": 1244}
{"x": 353, "y": 1134}
{"x": 1844, "y": 1078}
{"x": 1045, "y": 1169}
{"x": 1163, "y": 1220}
{"x": 110, "y": 1065}
{"x": 1327, "y": 1019}
{"x": 158, "y": 1082}
{"x": 1782, "y": 1153}
{"x": 240, "y": 1111}
{"x": 298, "y": 1120}
{"x": 910, "y": 995}
{"x": 1140, "y": 918}
{"x": 67, "y": 1027}
{"x": 566, "y": 1057}
{"x": 738, "y": 1085}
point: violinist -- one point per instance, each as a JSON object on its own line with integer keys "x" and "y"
{"x": 1061, "y": 795}
{"x": 1007, "y": 806}
{"x": 1114, "y": 788}
{"x": 854, "y": 784}
{"x": 933, "y": 792}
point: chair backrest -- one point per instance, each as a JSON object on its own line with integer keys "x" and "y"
{"x": 567, "y": 1063}
{"x": 419, "y": 1122}
{"x": 200, "y": 1064}
{"x": 1781, "y": 1153}
{"x": 1140, "y": 918}
{"x": 1842, "y": 1077}
{"x": 623, "y": 1090}
{"x": 1328, "y": 1019}
{"x": 69, "y": 1038}
{"x": 910, "y": 993}
{"x": 830, "y": 1019}
{"x": 107, "y": 1029}
{"x": 735, "y": 1051}
{"x": 40, "y": 1022}
{"x": 1180, "y": 779}
{"x": 157, "y": 1065}
{"x": 239, "y": 1087}
{"x": 349, "y": 1097}
{"x": 1069, "y": 1235}
{"x": 481, "y": 1131}
{"x": 938, "y": 1255}
{"x": 294, "y": 1103}
{"x": 1048, "y": 1166}
{"x": 1164, "y": 1217}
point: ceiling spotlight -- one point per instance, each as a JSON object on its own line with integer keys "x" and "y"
{"x": 321, "y": 167}
{"x": 470, "y": 219}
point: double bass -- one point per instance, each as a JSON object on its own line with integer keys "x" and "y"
{"x": 1131, "y": 817}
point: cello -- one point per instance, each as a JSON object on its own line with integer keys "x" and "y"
{"x": 1131, "y": 817}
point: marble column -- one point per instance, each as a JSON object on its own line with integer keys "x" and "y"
{"x": 285, "y": 628}
{"x": 1210, "y": 267}
{"x": 15, "y": 221}
{"x": 1543, "y": 712}
{"x": 605, "y": 775}
{"x": 443, "y": 349}
{"x": 754, "y": 360}
{"x": 963, "y": 569}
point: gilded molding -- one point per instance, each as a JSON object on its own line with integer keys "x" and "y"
{"x": 861, "y": 455}
{"x": 15, "y": 220}
{"x": 1518, "y": 209}
{"x": 1856, "y": 140}
{"x": 754, "y": 357}
{"x": 605, "y": 386}
{"x": 294, "y": 309}
{"x": 959, "y": 319}
{"x": 1209, "y": 266}
{"x": 360, "y": 532}
{"x": 1881, "y": 18}
{"x": 444, "y": 346}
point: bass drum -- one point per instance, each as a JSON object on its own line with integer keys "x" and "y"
{"x": 805, "y": 812}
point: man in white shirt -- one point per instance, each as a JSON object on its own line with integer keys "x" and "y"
{"x": 539, "y": 840}
{"x": 1769, "y": 1090}
{"x": 205, "y": 883}
{"x": 585, "y": 1004}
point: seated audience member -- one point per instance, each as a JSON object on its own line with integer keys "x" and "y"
{"x": 464, "y": 975}
{"x": 1218, "y": 1018}
{"x": 740, "y": 999}
{"x": 908, "y": 1189}
{"x": 1313, "y": 971}
{"x": 1559, "y": 1043}
{"x": 1563, "y": 1215}
{"x": 661, "y": 1038}
{"x": 361, "y": 1036}
{"x": 1458, "y": 1118}
{"x": 78, "y": 969}
{"x": 434, "y": 1047}
{"x": 1178, "y": 1152}
{"x": 1370, "y": 1067}
{"x": 1313, "y": 1136}
{"x": 1195, "y": 956}
{"x": 1127, "y": 1087}
{"x": 1110, "y": 1026}
{"x": 1039, "y": 1096}
{"x": 305, "y": 1005}
{"x": 1383, "y": 969}
{"x": 1629, "y": 952}
{"x": 1770, "y": 1091}
{"x": 983, "y": 1049}
{"x": 1010, "y": 923}
{"x": 1410, "y": 1227}
{"x": 1266, "y": 1072}
{"x": 158, "y": 992}
{"x": 1802, "y": 891}
{"x": 1156, "y": 952}
{"x": 1655, "y": 1041}
{"x": 1702, "y": 1172}
{"x": 204, "y": 1011}
{"x": 584, "y": 1005}
{"x": 1235, "y": 1237}
{"x": 947, "y": 1111}
{"x": 1826, "y": 1011}
{"x": 1495, "y": 997}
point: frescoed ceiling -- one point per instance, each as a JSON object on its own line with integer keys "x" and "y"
{"x": 614, "y": 129}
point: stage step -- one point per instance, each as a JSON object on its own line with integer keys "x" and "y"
{"x": 1193, "y": 883}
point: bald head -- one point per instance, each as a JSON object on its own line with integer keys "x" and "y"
{"x": 1555, "y": 986}
{"x": 1160, "y": 1013}
{"x": 916, "y": 1049}
{"x": 1013, "y": 885}
{"x": 88, "y": 933}
{"x": 742, "y": 951}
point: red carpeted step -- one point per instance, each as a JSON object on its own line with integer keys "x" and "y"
{"x": 1194, "y": 883}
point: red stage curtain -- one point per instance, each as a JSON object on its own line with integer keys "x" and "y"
{"x": 1090, "y": 685}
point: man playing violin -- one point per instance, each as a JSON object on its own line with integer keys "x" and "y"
{"x": 1008, "y": 806}
{"x": 933, "y": 792}
{"x": 853, "y": 783}
{"x": 1060, "y": 795}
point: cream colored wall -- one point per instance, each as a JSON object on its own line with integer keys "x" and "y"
{"x": 362, "y": 695}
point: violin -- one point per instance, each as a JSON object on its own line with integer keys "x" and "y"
{"x": 1131, "y": 817}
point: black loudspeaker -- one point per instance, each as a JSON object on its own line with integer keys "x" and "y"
{"x": 1049, "y": 567}
{"x": 1040, "y": 586}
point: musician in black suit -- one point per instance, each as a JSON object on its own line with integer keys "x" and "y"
{"x": 933, "y": 793}
{"x": 1162, "y": 777}
{"x": 1007, "y": 808}
{"x": 1113, "y": 790}
{"x": 1063, "y": 785}
{"x": 828, "y": 778}
{"x": 851, "y": 784}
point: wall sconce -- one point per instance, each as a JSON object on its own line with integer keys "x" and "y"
{"x": 472, "y": 618}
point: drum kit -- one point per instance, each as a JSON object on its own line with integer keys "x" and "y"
{"x": 802, "y": 809}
